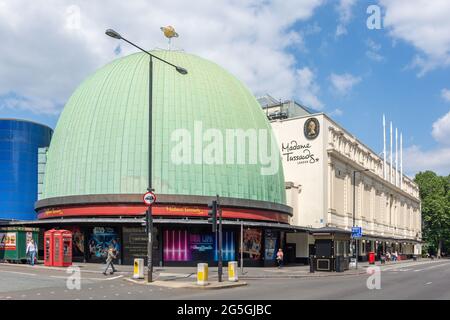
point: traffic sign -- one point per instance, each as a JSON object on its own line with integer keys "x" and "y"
{"x": 149, "y": 198}
{"x": 356, "y": 232}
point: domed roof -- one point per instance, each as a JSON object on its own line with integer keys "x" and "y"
{"x": 100, "y": 144}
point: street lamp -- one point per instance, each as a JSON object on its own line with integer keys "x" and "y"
{"x": 354, "y": 208}
{"x": 149, "y": 217}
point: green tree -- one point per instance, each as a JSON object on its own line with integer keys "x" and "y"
{"x": 435, "y": 196}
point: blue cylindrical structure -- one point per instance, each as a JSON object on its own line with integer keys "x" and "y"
{"x": 19, "y": 143}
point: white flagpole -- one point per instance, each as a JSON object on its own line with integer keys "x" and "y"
{"x": 396, "y": 157}
{"x": 384, "y": 148}
{"x": 390, "y": 168}
{"x": 401, "y": 160}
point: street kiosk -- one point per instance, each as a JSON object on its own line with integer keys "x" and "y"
{"x": 14, "y": 241}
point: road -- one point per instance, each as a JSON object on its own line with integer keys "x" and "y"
{"x": 430, "y": 280}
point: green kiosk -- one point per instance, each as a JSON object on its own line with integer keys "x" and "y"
{"x": 13, "y": 242}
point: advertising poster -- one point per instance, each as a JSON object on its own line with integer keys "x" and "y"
{"x": 252, "y": 244}
{"x": 182, "y": 245}
{"x": 77, "y": 241}
{"x": 270, "y": 245}
{"x": 176, "y": 245}
{"x": 134, "y": 244}
{"x": 228, "y": 247}
{"x": 8, "y": 241}
{"x": 201, "y": 246}
{"x": 99, "y": 241}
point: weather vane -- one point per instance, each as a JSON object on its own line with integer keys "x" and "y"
{"x": 169, "y": 33}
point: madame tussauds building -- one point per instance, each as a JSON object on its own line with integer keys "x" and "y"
{"x": 207, "y": 140}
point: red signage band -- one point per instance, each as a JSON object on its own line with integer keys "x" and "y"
{"x": 161, "y": 210}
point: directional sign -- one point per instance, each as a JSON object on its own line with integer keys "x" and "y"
{"x": 149, "y": 198}
{"x": 356, "y": 232}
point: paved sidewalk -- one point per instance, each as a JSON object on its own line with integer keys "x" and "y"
{"x": 189, "y": 273}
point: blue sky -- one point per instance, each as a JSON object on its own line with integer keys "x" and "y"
{"x": 318, "y": 52}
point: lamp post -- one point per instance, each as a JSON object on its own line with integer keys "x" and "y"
{"x": 354, "y": 208}
{"x": 148, "y": 216}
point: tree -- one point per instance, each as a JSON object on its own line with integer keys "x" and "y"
{"x": 435, "y": 196}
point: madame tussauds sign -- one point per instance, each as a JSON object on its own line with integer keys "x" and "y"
{"x": 296, "y": 152}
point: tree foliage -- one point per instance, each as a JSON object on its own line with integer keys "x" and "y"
{"x": 435, "y": 196}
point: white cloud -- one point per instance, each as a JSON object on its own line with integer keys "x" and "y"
{"x": 343, "y": 83}
{"x": 445, "y": 94}
{"x": 441, "y": 129}
{"x": 425, "y": 25}
{"x": 415, "y": 160}
{"x": 49, "y": 47}
{"x": 437, "y": 159}
{"x": 308, "y": 89}
{"x": 336, "y": 112}
{"x": 344, "y": 9}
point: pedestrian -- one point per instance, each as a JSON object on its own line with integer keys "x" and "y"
{"x": 395, "y": 256}
{"x": 31, "y": 251}
{"x": 110, "y": 256}
{"x": 388, "y": 256}
{"x": 280, "y": 256}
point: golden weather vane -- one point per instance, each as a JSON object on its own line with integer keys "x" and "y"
{"x": 169, "y": 33}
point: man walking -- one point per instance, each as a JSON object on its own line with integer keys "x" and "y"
{"x": 31, "y": 251}
{"x": 110, "y": 256}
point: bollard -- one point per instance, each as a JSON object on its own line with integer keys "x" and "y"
{"x": 202, "y": 274}
{"x": 311, "y": 264}
{"x": 138, "y": 270}
{"x": 232, "y": 271}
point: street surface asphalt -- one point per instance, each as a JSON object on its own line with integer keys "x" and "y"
{"x": 419, "y": 280}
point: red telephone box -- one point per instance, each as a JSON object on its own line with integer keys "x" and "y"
{"x": 48, "y": 245}
{"x": 58, "y": 248}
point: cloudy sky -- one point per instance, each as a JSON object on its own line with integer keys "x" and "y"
{"x": 319, "y": 52}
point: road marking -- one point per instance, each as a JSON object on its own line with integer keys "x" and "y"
{"x": 418, "y": 270}
{"x": 428, "y": 283}
{"x": 23, "y": 273}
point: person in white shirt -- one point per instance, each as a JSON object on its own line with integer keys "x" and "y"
{"x": 31, "y": 251}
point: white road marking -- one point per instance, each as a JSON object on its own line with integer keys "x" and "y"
{"x": 428, "y": 283}
{"x": 16, "y": 272}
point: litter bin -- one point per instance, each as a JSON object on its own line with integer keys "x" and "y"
{"x": 311, "y": 264}
{"x": 371, "y": 257}
{"x": 339, "y": 261}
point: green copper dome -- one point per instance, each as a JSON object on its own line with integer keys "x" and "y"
{"x": 100, "y": 144}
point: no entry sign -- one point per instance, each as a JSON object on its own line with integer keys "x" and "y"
{"x": 149, "y": 198}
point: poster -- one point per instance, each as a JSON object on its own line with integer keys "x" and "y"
{"x": 270, "y": 245}
{"x": 182, "y": 245}
{"x": 99, "y": 241}
{"x": 252, "y": 244}
{"x": 134, "y": 244}
{"x": 77, "y": 241}
{"x": 228, "y": 247}
{"x": 8, "y": 241}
